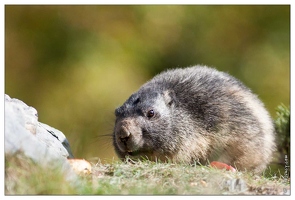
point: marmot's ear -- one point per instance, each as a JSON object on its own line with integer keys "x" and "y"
{"x": 169, "y": 97}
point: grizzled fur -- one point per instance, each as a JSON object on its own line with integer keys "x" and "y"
{"x": 196, "y": 114}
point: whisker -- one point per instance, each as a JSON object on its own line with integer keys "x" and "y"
{"x": 105, "y": 135}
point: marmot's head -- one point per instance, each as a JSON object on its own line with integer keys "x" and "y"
{"x": 144, "y": 125}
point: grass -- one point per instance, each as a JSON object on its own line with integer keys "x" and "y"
{"x": 22, "y": 176}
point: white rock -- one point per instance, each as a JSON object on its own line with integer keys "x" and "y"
{"x": 24, "y": 133}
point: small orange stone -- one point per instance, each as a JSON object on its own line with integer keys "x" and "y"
{"x": 80, "y": 166}
{"x": 220, "y": 165}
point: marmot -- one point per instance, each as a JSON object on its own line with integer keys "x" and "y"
{"x": 195, "y": 114}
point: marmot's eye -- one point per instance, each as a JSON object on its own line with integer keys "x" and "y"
{"x": 150, "y": 113}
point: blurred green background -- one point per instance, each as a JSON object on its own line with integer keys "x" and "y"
{"x": 76, "y": 64}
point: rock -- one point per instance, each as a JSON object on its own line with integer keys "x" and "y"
{"x": 54, "y": 139}
{"x": 38, "y": 141}
{"x": 236, "y": 186}
{"x": 44, "y": 144}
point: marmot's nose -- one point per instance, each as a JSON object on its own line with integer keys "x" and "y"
{"x": 124, "y": 135}
{"x": 124, "y": 139}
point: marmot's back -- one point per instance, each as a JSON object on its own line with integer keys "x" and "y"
{"x": 195, "y": 114}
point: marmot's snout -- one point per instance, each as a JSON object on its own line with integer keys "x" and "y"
{"x": 128, "y": 136}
